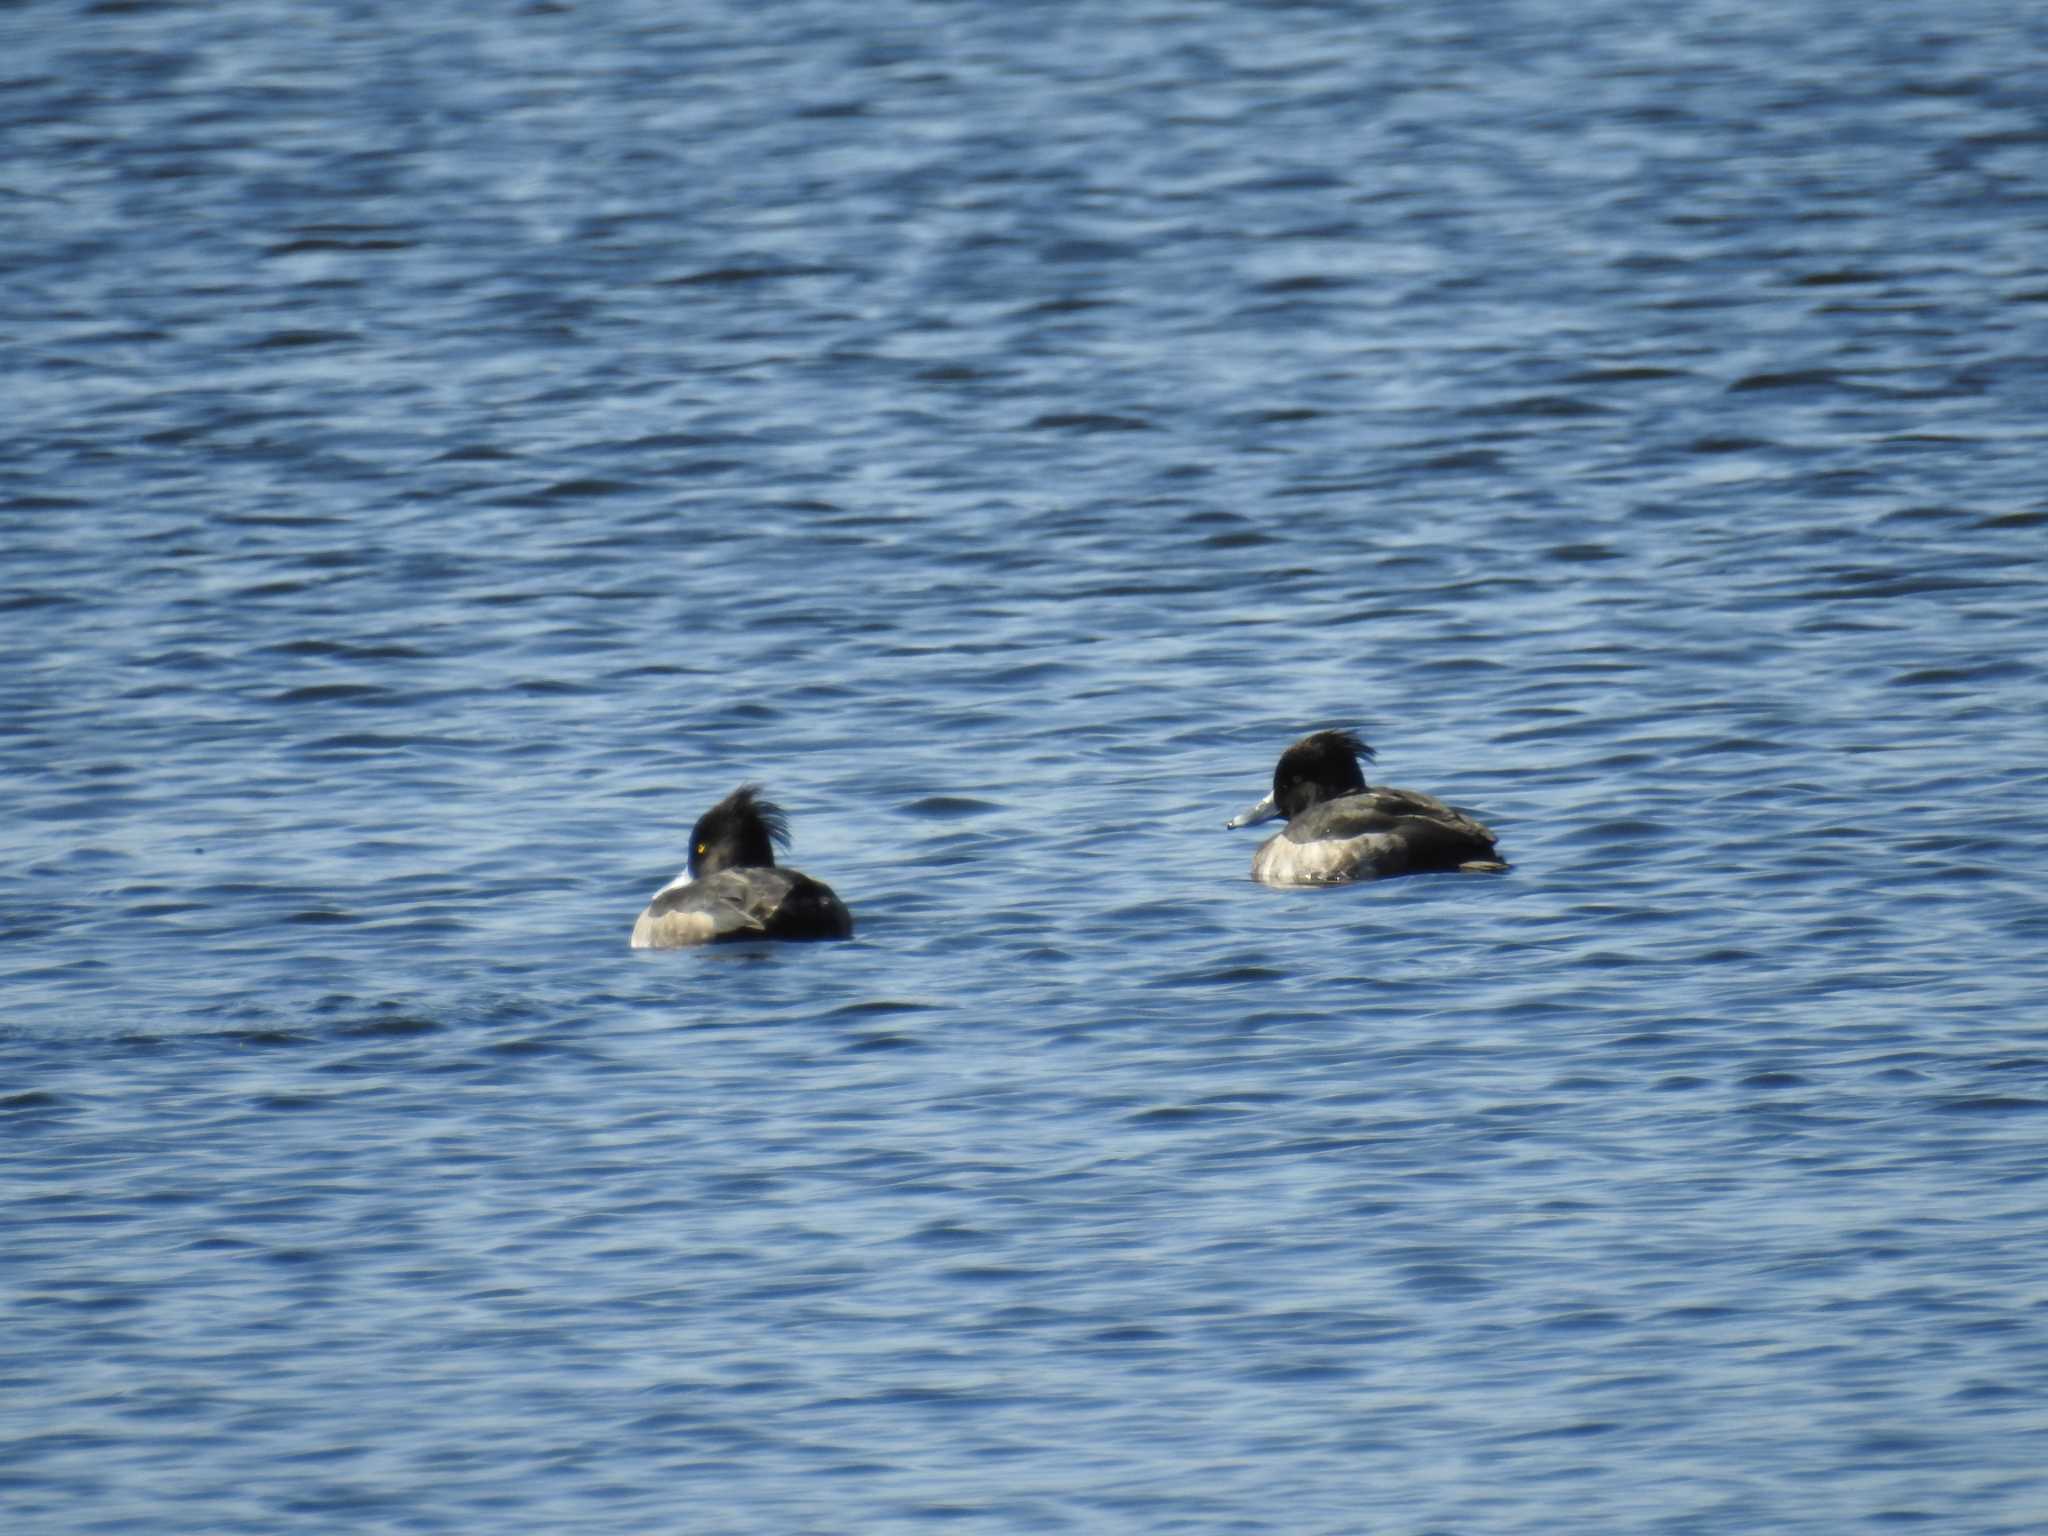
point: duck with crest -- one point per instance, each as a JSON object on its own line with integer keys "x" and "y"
{"x": 734, "y": 889}
{"x": 1338, "y": 829}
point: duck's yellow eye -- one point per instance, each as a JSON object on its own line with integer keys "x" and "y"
{"x": 702, "y": 846}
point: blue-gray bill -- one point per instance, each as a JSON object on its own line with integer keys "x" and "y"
{"x": 1252, "y": 815}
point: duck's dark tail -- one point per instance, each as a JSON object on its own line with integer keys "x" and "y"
{"x": 810, "y": 911}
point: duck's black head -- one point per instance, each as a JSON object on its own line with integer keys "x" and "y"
{"x": 1316, "y": 768}
{"x": 739, "y": 832}
{"x": 1322, "y": 766}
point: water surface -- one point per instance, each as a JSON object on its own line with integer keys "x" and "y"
{"x": 444, "y": 453}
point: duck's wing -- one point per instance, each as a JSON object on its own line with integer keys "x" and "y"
{"x": 1414, "y": 803}
{"x": 1410, "y": 832}
{"x": 722, "y": 906}
{"x": 1366, "y": 813}
{"x": 1338, "y": 821}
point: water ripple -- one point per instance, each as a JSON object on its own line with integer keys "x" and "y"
{"x": 450, "y": 451}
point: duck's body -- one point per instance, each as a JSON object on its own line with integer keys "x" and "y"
{"x": 772, "y": 903}
{"x": 1339, "y": 829}
{"x": 734, "y": 889}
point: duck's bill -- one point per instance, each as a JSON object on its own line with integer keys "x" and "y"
{"x": 1265, "y": 810}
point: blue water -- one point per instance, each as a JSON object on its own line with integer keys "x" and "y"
{"x": 443, "y": 449}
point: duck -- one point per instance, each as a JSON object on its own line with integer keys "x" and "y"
{"x": 1340, "y": 830}
{"x": 734, "y": 890}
